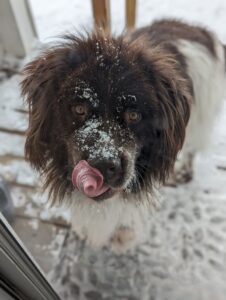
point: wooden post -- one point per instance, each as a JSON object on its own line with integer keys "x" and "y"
{"x": 101, "y": 13}
{"x": 130, "y": 13}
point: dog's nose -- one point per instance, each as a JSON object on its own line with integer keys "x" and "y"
{"x": 110, "y": 169}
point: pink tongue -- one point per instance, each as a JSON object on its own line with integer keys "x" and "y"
{"x": 88, "y": 180}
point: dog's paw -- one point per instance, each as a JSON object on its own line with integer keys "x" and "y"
{"x": 123, "y": 239}
{"x": 180, "y": 176}
{"x": 183, "y": 175}
{"x": 183, "y": 172}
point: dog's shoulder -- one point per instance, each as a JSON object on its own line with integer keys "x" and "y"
{"x": 169, "y": 31}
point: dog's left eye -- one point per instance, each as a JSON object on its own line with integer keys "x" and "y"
{"x": 80, "y": 109}
{"x": 132, "y": 117}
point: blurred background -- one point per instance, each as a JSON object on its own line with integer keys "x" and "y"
{"x": 188, "y": 237}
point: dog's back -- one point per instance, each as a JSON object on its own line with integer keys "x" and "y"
{"x": 203, "y": 58}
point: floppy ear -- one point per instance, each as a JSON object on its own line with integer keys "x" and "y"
{"x": 40, "y": 87}
{"x": 173, "y": 96}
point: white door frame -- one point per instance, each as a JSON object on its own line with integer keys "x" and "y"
{"x": 17, "y": 28}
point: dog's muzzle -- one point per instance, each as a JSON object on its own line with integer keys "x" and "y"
{"x": 96, "y": 180}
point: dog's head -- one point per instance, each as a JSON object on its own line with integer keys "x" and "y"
{"x": 121, "y": 108}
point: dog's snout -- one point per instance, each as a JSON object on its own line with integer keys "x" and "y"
{"x": 111, "y": 170}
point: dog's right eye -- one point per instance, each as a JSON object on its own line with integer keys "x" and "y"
{"x": 132, "y": 117}
{"x": 80, "y": 109}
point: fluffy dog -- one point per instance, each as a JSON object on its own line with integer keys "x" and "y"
{"x": 121, "y": 109}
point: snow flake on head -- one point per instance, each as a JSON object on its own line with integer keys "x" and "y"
{"x": 110, "y": 48}
{"x": 128, "y": 98}
{"x": 100, "y": 57}
{"x": 133, "y": 98}
{"x": 84, "y": 91}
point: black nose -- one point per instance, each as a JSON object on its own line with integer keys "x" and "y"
{"x": 110, "y": 169}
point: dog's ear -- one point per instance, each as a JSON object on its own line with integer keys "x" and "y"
{"x": 173, "y": 96}
{"x": 40, "y": 86}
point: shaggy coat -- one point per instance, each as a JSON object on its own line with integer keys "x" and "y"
{"x": 127, "y": 105}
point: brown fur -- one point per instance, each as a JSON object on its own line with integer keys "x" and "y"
{"x": 151, "y": 72}
{"x": 166, "y": 32}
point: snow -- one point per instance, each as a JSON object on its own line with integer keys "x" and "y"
{"x": 53, "y": 19}
{"x": 83, "y": 91}
{"x": 39, "y": 207}
{"x": 34, "y": 223}
{"x": 185, "y": 255}
{"x": 7, "y": 147}
{"x": 103, "y": 144}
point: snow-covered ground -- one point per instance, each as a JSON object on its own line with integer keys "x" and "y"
{"x": 185, "y": 255}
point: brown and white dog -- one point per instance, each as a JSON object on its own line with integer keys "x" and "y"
{"x": 122, "y": 108}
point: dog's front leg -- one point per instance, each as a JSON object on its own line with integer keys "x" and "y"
{"x": 123, "y": 239}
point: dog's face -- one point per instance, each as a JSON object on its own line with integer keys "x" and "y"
{"x": 110, "y": 103}
{"x": 108, "y": 122}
